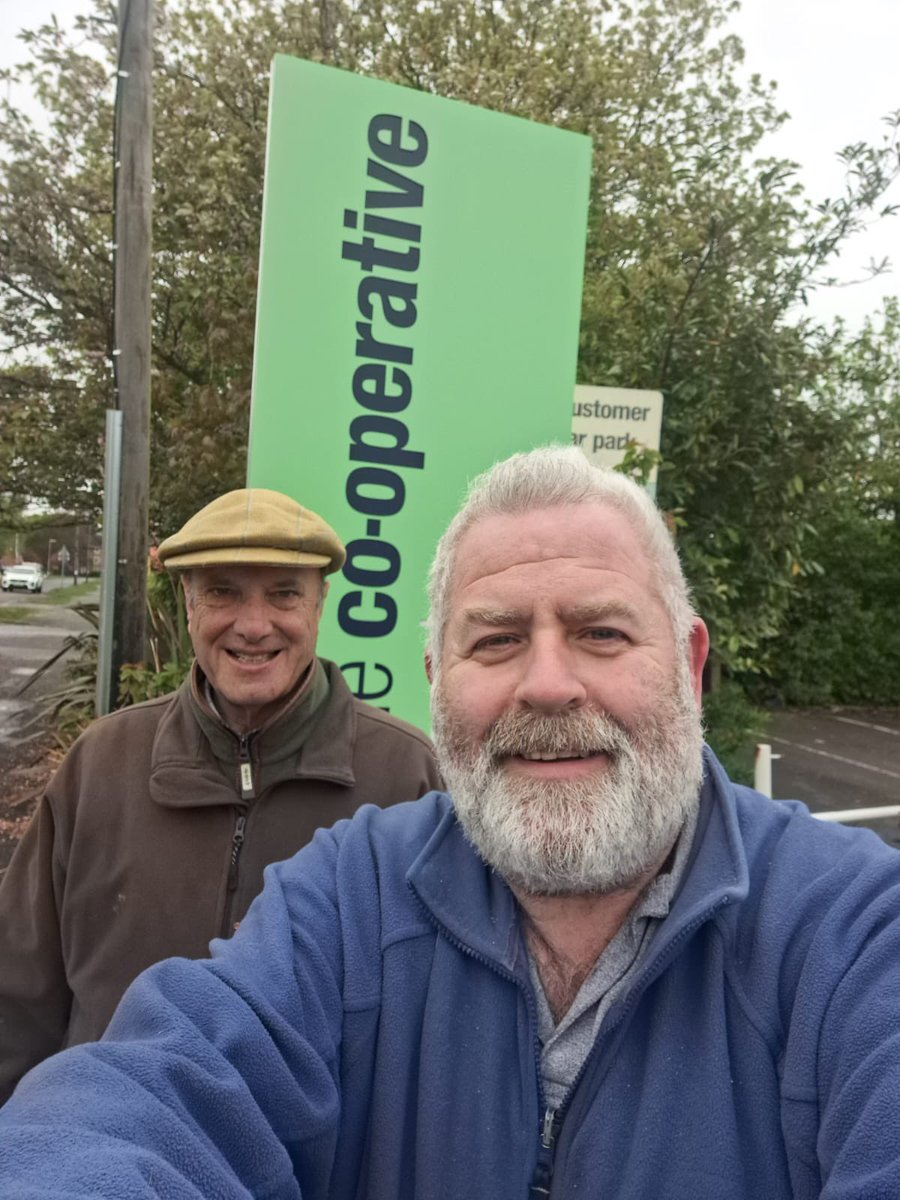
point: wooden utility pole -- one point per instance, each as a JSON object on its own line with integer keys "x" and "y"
{"x": 326, "y": 29}
{"x": 134, "y": 132}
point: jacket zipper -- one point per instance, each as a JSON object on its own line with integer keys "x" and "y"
{"x": 543, "y": 1170}
{"x": 237, "y": 842}
{"x": 542, "y": 1179}
{"x": 247, "y": 791}
{"x": 550, "y": 1123}
{"x": 245, "y": 768}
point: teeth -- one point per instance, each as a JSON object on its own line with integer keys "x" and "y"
{"x": 252, "y": 658}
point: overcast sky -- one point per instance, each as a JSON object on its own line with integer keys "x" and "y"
{"x": 835, "y": 62}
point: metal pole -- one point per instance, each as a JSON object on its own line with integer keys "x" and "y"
{"x": 132, "y": 322}
{"x": 108, "y": 557}
{"x": 860, "y": 814}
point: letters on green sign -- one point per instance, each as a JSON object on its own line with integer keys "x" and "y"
{"x": 375, "y": 490}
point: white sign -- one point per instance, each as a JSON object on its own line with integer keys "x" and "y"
{"x": 606, "y": 420}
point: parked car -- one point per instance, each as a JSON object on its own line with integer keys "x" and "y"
{"x": 29, "y": 576}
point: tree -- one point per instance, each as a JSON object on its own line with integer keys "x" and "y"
{"x": 699, "y": 255}
{"x": 840, "y": 641}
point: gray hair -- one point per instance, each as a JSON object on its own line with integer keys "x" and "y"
{"x": 551, "y": 477}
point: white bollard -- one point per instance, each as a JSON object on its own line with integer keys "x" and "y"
{"x": 762, "y": 769}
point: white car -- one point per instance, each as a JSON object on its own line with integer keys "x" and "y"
{"x": 29, "y": 576}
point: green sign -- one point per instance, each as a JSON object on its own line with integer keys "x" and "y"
{"x": 419, "y": 301}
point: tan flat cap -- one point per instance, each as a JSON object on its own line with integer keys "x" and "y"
{"x": 257, "y": 526}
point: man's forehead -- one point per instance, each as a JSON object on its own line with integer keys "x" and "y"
{"x": 589, "y": 554}
{"x": 497, "y": 540}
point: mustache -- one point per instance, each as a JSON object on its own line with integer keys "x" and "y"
{"x": 573, "y": 734}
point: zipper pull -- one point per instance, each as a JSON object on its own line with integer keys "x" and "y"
{"x": 549, "y": 1130}
{"x": 237, "y": 841}
{"x": 245, "y": 766}
{"x": 543, "y": 1172}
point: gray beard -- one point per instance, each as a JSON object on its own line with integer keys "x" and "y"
{"x": 573, "y": 837}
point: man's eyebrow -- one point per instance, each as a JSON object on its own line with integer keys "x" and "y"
{"x": 493, "y": 617}
{"x": 605, "y": 611}
{"x": 573, "y": 614}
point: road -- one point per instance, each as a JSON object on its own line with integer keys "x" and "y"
{"x": 841, "y": 758}
{"x": 23, "y": 648}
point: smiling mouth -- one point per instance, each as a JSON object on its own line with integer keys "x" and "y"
{"x": 253, "y": 659}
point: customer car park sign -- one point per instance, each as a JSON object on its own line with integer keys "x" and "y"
{"x": 606, "y": 421}
{"x": 418, "y": 311}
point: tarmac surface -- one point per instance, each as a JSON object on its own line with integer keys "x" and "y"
{"x": 24, "y": 648}
{"x": 838, "y": 759}
{"x": 28, "y": 750}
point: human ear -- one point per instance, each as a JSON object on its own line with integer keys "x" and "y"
{"x": 698, "y": 649}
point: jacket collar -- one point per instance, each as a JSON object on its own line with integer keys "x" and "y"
{"x": 182, "y": 744}
{"x": 280, "y": 737}
{"x": 475, "y": 908}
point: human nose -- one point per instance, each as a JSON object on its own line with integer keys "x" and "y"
{"x": 252, "y": 621}
{"x": 550, "y": 681}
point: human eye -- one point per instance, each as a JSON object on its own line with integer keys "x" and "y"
{"x": 219, "y": 594}
{"x": 604, "y": 635}
{"x": 286, "y": 597}
{"x": 494, "y": 645}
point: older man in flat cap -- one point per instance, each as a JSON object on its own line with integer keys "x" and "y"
{"x": 152, "y": 838}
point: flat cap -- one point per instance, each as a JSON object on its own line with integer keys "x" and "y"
{"x": 254, "y": 526}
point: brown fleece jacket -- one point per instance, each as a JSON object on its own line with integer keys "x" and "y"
{"x": 145, "y": 845}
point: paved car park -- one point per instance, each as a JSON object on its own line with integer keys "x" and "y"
{"x": 839, "y": 758}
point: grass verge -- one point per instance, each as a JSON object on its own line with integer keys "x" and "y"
{"x": 17, "y": 614}
{"x": 66, "y": 595}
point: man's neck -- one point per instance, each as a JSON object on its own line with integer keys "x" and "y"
{"x": 567, "y": 934}
{"x": 244, "y": 722}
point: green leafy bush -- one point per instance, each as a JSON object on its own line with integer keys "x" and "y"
{"x": 138, "y": 683}
{"x": 734, "y": 725}
{"x": 840, "y": 643}
{"x": 171, "y": 651}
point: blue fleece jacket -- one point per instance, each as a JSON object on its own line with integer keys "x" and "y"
{"x": 370, "y": 1033}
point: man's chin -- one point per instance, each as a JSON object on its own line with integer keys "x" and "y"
{"x": 594, "y": 834}
{"x": 544, "y": 876}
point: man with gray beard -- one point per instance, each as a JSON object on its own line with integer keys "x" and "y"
{"x": 594, "y": 834}
{"x": 601, "y": 970}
